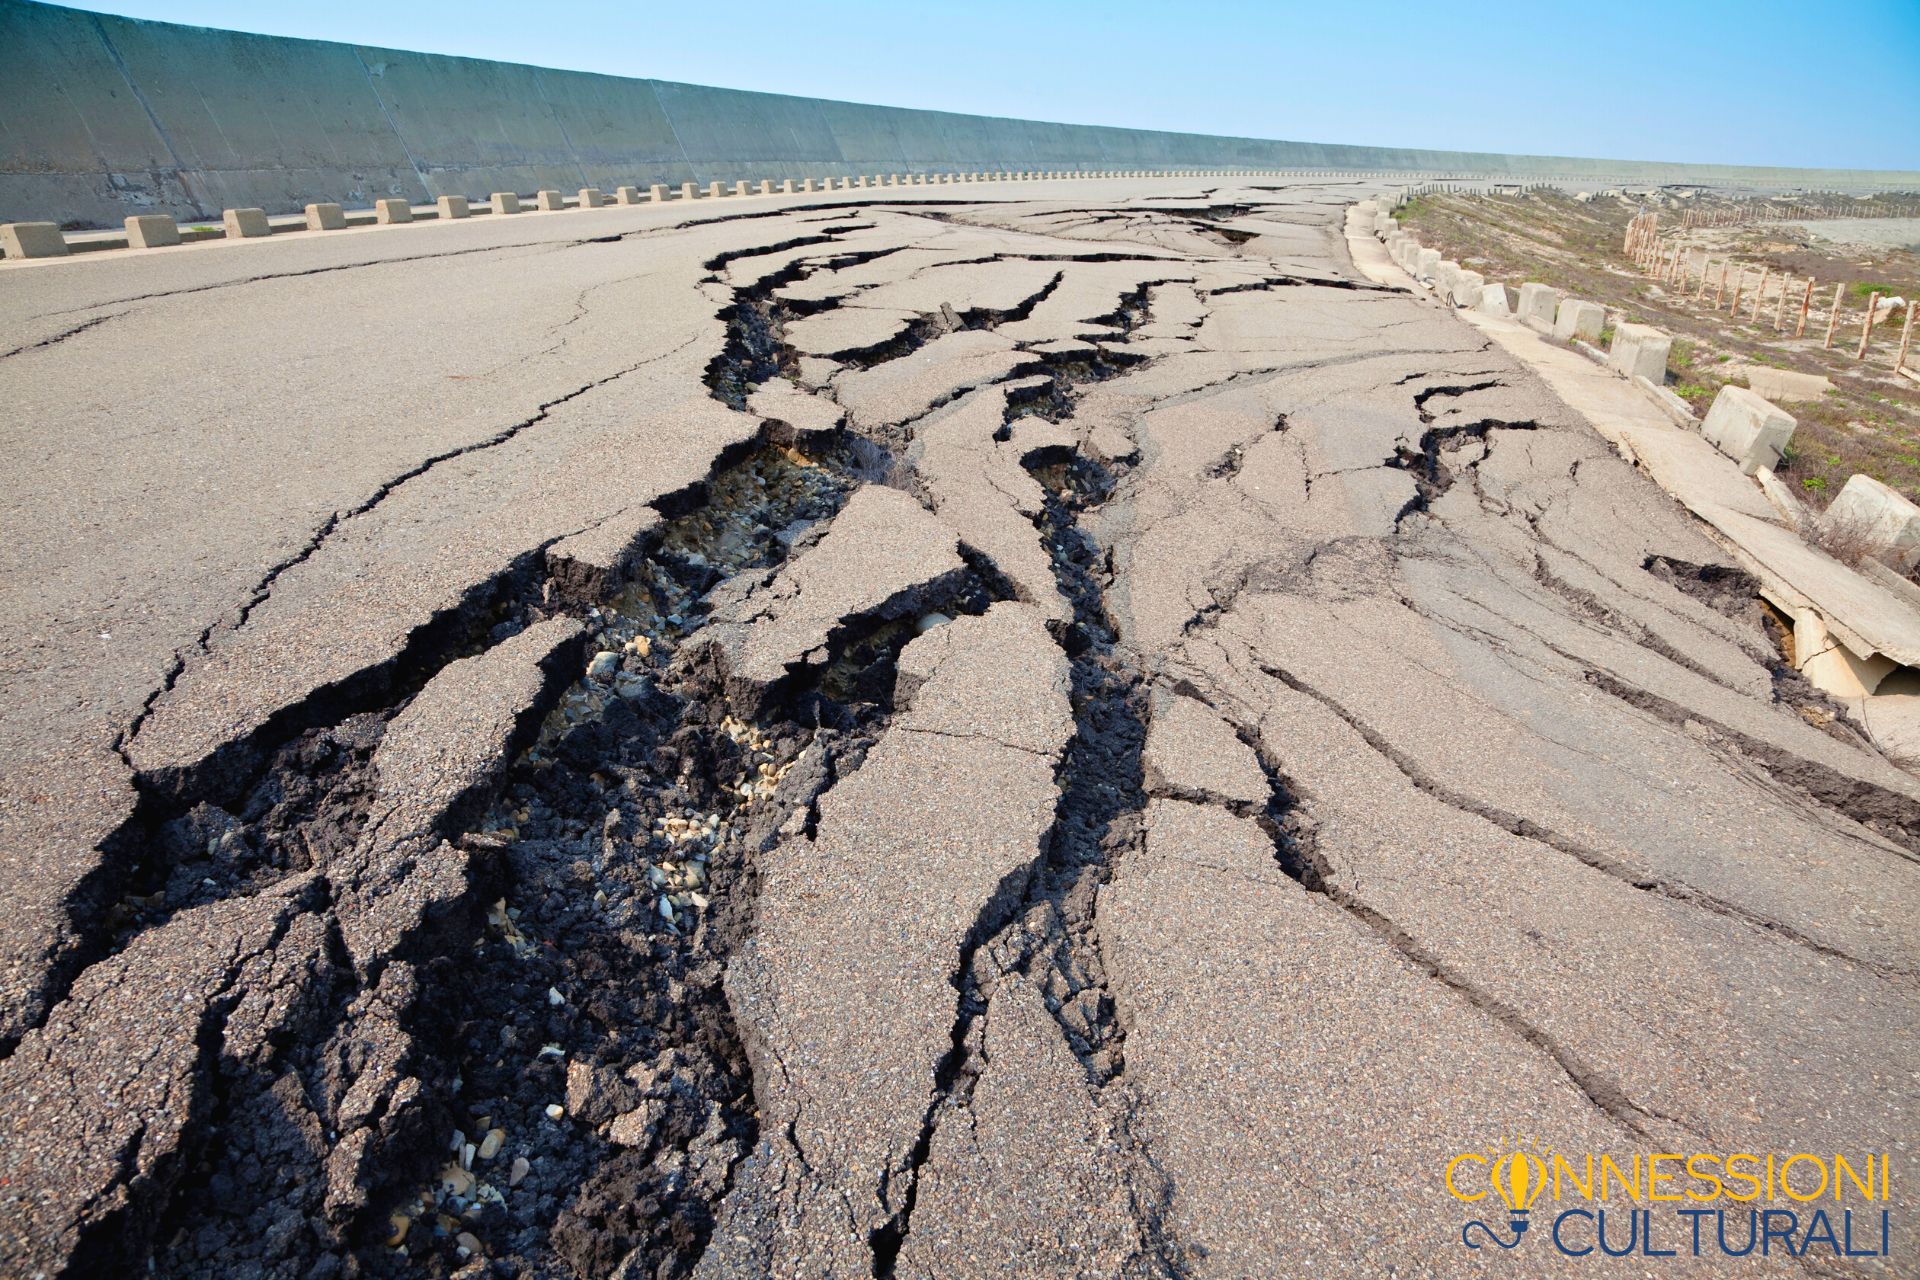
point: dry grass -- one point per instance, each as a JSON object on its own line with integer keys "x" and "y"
{"x": 1851, "y": 542}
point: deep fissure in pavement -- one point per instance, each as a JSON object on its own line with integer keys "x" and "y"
{"x": 1047, "y": 932}
{"x": 572, "y": 855}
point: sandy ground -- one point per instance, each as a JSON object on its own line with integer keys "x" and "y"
{"x": 1869, "y": 233}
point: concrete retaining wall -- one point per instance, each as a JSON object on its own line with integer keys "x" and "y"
{"x": 106, "y": 117}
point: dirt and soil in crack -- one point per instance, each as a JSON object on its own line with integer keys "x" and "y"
{"x": 581, "y": 970}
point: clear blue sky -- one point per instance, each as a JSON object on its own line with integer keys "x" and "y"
{"x": 1825, "y": 83}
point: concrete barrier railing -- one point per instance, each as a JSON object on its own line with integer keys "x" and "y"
{"x": 150, "y": 231}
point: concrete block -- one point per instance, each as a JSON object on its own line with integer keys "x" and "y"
{"x": 504, "y": 202}
{"x": 157, "y": 230}
{"x": 1880, "y": 515}
{"x": 245, "y": 223}
{"x": 688, "y": 191}
{"x": 1426, "y": 263}
{"x": 807, "y": 184}
{"x": 657, "y": 193}
{"x": 1539, "y": 302}
{"x": 786, "y": 186}
{"x": 766, "y": 187}
{"x": 1640, "y": 349}
{"x": 1753, "y": 431}
{"x": 1494, "y": 300}
{"x": 549, "y": 201}
{"x": 1784, "y": 385}
{"x": 1445, "y": 277}
{"x": 740, "y": 188}
{"x": 320, "y": 217}
{"x": 716, "y": 190}
{"x": 387, "y": 211}
{"x": 1829, "y": 665}
{"x": 450, "y": 207}
{"x": 32, "y": 240}
{"x": 1468, "y": 288}
{"x": 626, "y": 195}
{"x": 1574, "y": 318}
{"x": 590, "y": 198}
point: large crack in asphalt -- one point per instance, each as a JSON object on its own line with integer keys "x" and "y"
{"x": 542, "y": 1074}
{"x": 587, "y": 851}
{"x": 1288, "y": 820}
{"x": 1047, "y": 934}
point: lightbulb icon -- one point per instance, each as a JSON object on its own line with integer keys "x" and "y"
{"x": 1518, "y": 1178}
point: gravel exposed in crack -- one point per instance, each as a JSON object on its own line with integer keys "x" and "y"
{"x": 578, "y": 1096}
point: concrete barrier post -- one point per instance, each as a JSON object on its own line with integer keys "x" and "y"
{"x": 1493, "y": 300}
{"x": 245, "y": 223}
{"x": 1539, "y": 302}
{"x": 716, "y": 190}
{"x": 549, "y": 200}
{"x": 157, "y": 230}
{"x": 1753, "y": 431}
{"x": 1575, "y": 318}
{"x": 1467, "y": 288}
{"x": 451, "y": 207}
{"x": 32, "y": 240}
{"x": 766, "y": 187}
{"x": 1640, "y": 350}
{"x": 320, "y": 217}
{"x": 590, "y": 198}
{"x": 626, "y": 195}
{"x": 688, "y": 191}
{"x": 1881, "y": 515}
{"x": 504, "y": 202}
{"x": 389, "y": 211}
{"x": 740, "y": 188}
{"x": 657, "y": 193}
{"x": 786, "y": 186}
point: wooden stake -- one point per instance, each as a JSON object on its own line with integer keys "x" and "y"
{"x": 1733, "y": 312}
{"x": 1866, "y": 326}
{"x": 1720, "y": 289}
{"x": 1706, "y": 265}
{"x": 1833, "y": 316}
{"x": 1760, "y": 294}
{"x": 1806, "y": 304}
{"x": 1780, "y": 307}
{"x": 1906, "y": 337}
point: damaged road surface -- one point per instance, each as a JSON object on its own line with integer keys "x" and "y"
{"x": 1068, "y": 736}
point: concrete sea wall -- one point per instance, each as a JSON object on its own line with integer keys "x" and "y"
{"x": 102, "y": 117}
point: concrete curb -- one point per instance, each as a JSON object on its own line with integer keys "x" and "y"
{"x": 38, "y": 240}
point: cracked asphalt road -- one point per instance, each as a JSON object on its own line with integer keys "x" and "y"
{"x": 1058, "y": 732}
